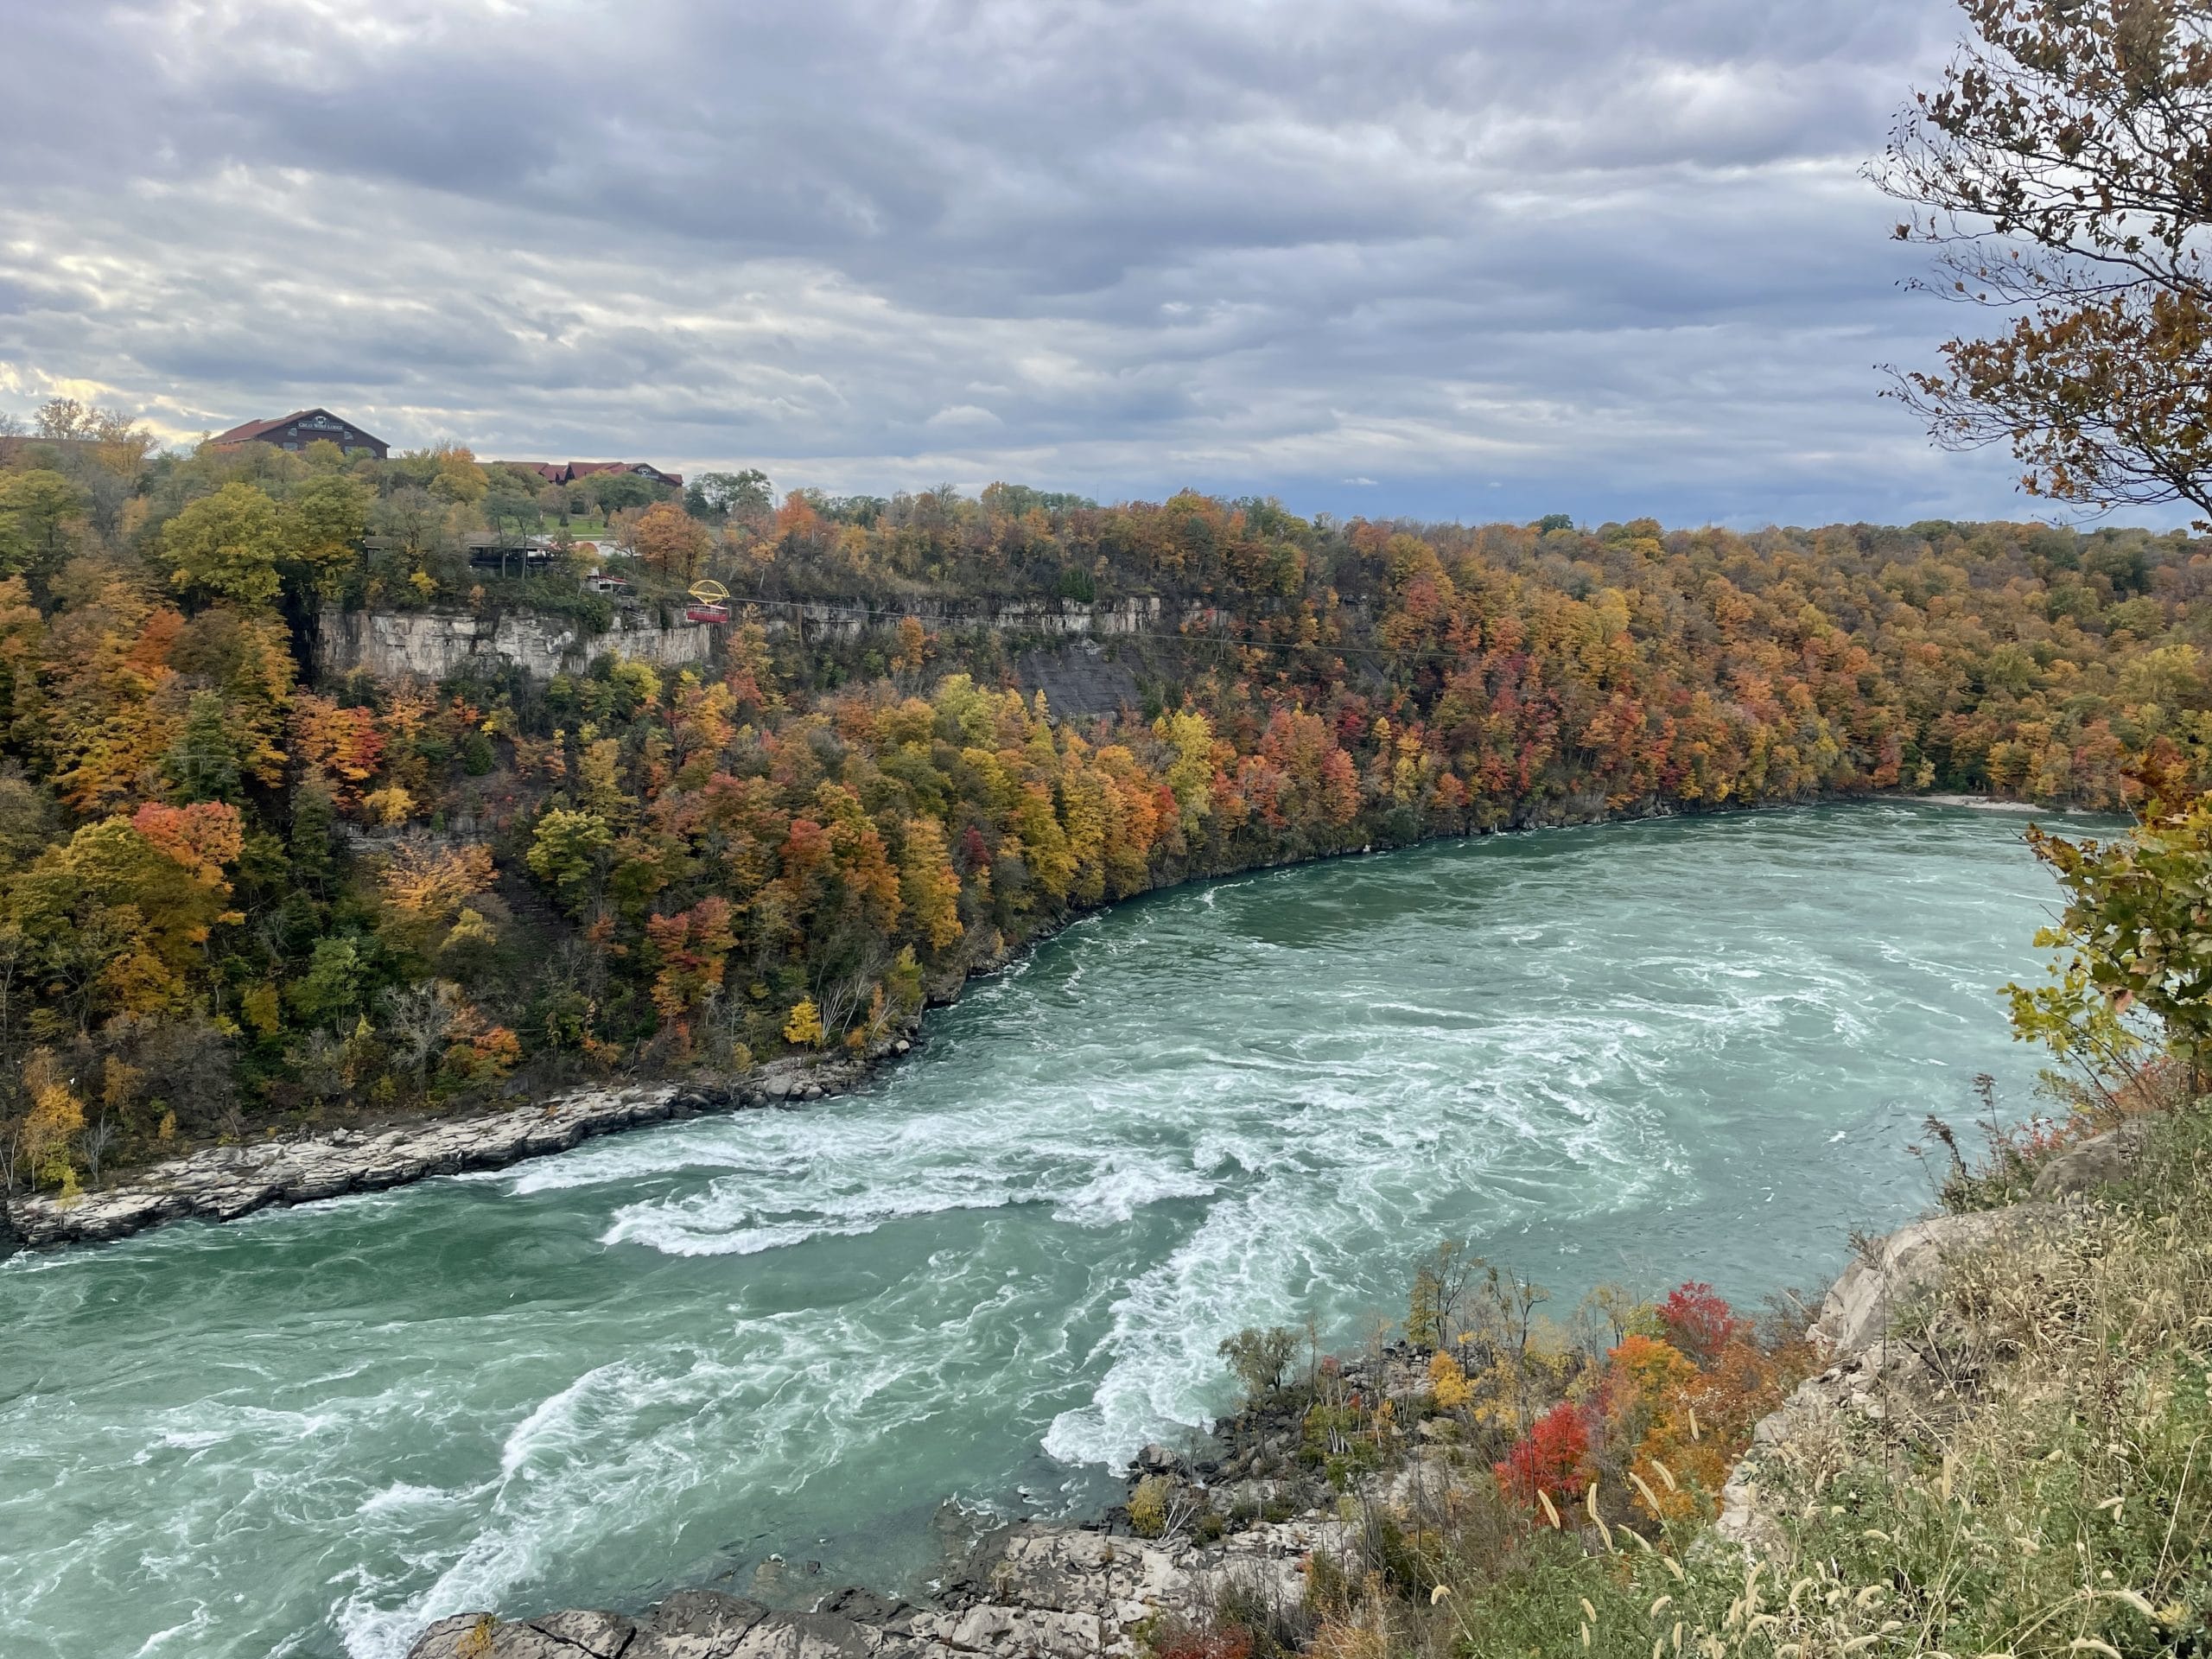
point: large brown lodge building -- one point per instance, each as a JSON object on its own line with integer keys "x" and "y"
{"x": 305, "y": 426}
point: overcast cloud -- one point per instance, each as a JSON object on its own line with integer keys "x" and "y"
{"x": 1484, "y": 258}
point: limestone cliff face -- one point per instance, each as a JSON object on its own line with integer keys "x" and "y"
{"x": 434, "y": 645}
{"x": 847, "y": 620}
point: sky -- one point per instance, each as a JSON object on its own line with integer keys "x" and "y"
{"x": 1472, "y": 259}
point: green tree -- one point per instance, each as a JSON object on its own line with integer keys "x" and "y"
{"x": 568, "y": 850}
{"x": 325, "y": 520}
{"x": 2132, "y": 937}
{"x": 1259, "y": 1358}
{"x": 202, "y": 765}
{"x": 335, "y": 982}
{"x": 315, "y": 820}
{"x": 228, "y": 545}
{"x": 729, "y": 495}
{"x": 619, "y": 492}
{"x": 37, "y": 511}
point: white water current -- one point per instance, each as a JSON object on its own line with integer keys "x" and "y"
{"x": 1649, "y": 1052}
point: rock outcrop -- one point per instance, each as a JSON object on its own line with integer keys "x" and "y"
{"x": 2083, "y": 1170}
{"x": 223, "y": 1183}
{"x": 437, "y": 645}
{"x": 1885, "y": 1284}
{"x": 1871, "y": 1328}
{"x": 1033, "y": 1592}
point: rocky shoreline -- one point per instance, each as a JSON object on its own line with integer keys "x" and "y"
{"x": 1045, "y": 1591}
{"x": 1256, "y": 1520}
{"x": 1031, "y": 1592}
{"x": 224, "y": 1183}
{"x": 1246, "y": 1521}
{"x": 1248, "y": 1524}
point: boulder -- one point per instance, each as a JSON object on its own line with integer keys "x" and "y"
{"x": 2083, "y": 1170}
{"x": 1907, "y": 1267}
{"x": 559, "y": 1636}
{"x": 1156, "y": 1459}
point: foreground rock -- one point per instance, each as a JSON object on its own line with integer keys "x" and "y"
{"x": 1874, "y": 1327}
{"x": 1031, "y": 1592}
{"x": 1887, "y": 1284}
{"x": 2083, "y": 1170}
{"x": 223, "y": 1183}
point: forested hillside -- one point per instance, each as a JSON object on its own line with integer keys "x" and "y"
{"x": 234, "y": 896}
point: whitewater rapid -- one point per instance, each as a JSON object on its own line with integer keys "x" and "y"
{"x": 1649, "y": 1052}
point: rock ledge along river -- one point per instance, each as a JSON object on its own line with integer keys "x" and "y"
{"x": 1685, "y": 1048}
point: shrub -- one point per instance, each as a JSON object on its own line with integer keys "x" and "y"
{"x": 1259, "y": 1358}
{"x": 1698, "y": 1322}
{"x": 1150, "y": 1506}
{"x": 1554, "y": 1456}
{"x": 1448, "y": 1381}
{"x": 1233, "y": 1643}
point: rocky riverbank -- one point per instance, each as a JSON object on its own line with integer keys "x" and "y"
{"x": 224, "y": 1183}
{"x": 1031, "y": 1592}
{"x": 1240, "y": 1523}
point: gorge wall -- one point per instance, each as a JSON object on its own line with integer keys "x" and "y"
{"x": 436, "y": 645}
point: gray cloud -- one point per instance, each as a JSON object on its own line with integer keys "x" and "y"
{"x": 1597, "y": 256}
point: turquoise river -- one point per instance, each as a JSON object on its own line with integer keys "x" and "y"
{"x": 1643, "y": 1052}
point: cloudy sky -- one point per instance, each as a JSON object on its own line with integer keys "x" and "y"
{"x": 1470, "y": 259}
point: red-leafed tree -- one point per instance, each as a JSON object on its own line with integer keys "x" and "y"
{"x": 1553, "y": 1457}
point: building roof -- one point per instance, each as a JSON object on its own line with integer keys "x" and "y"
{"x": 586, "y": 469}
{"x": 252, "y": 430}
{"x": 569, "y": 472}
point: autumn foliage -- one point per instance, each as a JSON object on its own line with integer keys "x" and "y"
{"x": 277, "y": 896}
{"x": 1553, "y": 1457}
{"x": 1669, "y": 1410}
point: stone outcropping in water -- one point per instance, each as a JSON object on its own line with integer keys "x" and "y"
{"x": 1032, "y": 1592}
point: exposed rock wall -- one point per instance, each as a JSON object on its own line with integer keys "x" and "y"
{"x": 436, "y": 645}
{"x": 1078, "y": 680}
{"x": 847, "y": 620}
{"x": 1879, "y": 1370}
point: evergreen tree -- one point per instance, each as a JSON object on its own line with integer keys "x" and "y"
{"x": 202, "y": 765}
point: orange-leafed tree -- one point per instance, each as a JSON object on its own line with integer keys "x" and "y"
{"x": 671, "y": 542}
{"x": 693, "y": 947}
{"x": 342, "y": 743}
